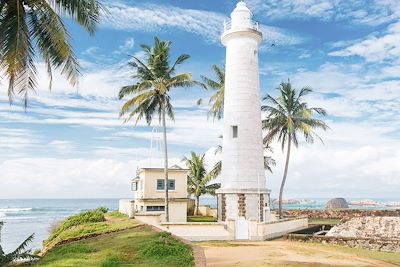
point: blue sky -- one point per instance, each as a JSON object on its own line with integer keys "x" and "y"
{"x": 71, "y": 143}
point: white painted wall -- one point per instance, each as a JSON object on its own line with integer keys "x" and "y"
{"x": 242, "y": 157}
{"x": 280, "y": 228}
{"x": 127, "y": 206}
{"x": 198, "y": 231}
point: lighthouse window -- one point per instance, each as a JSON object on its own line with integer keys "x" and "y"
{"x": 234, "y": 131}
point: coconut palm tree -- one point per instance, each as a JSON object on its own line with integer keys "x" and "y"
{"x": 217, "y": 99}
{"x": 199, "y": 178}
{"x": 31, "y": 27}
{"x": 155, "y": 78}
{"x": 20, "y": 253}
{"x": 288, "y": 116}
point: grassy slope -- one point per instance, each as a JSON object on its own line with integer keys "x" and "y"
{"x": 111, "y": 239}
{"x": 114, "y": 222}
{"x": 125, "y": 248}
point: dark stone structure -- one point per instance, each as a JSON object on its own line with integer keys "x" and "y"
{"x": 337, "y": 204}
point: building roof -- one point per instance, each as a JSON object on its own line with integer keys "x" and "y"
{"x": 162, "y": 169}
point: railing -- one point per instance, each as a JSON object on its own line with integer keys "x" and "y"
{"x": 254, "y": 25}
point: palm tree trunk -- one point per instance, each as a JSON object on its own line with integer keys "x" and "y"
{"x": 197, "y": 205}
{"x": 165, "y": 162}
{"x": 284, "y": 178}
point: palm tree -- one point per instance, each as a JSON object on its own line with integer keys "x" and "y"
{"x": 150, "y": 94}
{"x": 288, "y": 116}
{"x": 199, "y": 178}
{"x": 20, "y": 253}
{"x": 217, "y": 99}
{"x": 28, "y": 27}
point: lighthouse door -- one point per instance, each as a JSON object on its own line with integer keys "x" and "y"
{"x": 241, "y": 229}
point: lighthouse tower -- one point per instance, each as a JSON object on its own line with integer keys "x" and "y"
{"x": 243, "y": 195}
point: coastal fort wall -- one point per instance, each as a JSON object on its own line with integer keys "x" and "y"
{"x": 371, "y": 232}
{"x": 340, "y": 214}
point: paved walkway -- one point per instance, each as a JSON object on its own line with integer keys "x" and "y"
{"x": 281, "y": 253}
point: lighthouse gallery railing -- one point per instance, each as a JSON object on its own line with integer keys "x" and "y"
{"x": 254, "y": 25}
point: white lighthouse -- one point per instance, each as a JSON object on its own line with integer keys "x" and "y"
{"x": 243, "y": 195}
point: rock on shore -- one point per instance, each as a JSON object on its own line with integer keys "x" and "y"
{"x": 336, "y": 204}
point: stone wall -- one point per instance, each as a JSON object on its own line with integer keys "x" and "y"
{"x": 387, "y": 245}
{"x": 368, "y": 227}
{"x": 339, "y": 214}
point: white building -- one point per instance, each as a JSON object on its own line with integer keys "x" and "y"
{"x": 148, "y": 188}
{"x": 243, "y": 195}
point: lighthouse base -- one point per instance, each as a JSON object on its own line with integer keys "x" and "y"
{"x": 242, "y": 204}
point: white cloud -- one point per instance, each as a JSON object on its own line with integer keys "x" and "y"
{"x": 15, "y": 142}
{"x": 367, "y": 12}
{"x": 329, "y": 77}
{"x": 129, "y": 43}
{"x": 62, "y": 146}
{"x": 206, "y": 24}
{"x": 191, "y": 128}
{"x": 376, "y": 47}
{"x": 68, "y": 178}
{"x": 355, "y": 159}
{"x": 352, "y": 91}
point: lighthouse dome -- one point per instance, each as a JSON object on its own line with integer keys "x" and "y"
{"x": 241, "y": 7}
{"x": 241, "y": 16}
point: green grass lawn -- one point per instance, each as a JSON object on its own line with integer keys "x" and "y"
{"x": 324, "y": 221}
{"x": 98, "y": 238}
{"x": 140, "y": 246}
{"x": 201, "y": 219}
{"x": 111, "y": 222}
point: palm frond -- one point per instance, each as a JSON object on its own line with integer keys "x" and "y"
{"x": 155, "y": 79}
{"x": 32, "y": 26}
{"x": 179, "y": 60}
{"x": 85, "y": 12}
{"x": 216, "y": 101}
{"x": 288, "y": 115}
{"x": 16, "y": 51}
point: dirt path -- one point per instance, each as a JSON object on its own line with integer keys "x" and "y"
{"x": 281, "y": 253}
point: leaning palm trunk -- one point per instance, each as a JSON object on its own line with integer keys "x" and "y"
{"x": 165, "y": 162}
{"x": 284, "y": 179}
{"x": 197, "y": 205}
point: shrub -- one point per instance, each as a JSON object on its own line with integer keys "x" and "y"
{"x": 103, "y": 209}
{"x": 117, "y": 214}
{"x": 112, "y": 261}
{"x": 166, "y": 246}
{"x": 91, "y": 216}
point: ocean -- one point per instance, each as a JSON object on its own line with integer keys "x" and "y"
{"x": 22, "y": 217}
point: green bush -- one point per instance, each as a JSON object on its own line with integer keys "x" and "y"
{"x": 112, "y": 261}
{"x": 91, "y": 216}
{"x": 103, "y": 209}
{"x": 117, "y": 214}
{"x": 166, "y": 246}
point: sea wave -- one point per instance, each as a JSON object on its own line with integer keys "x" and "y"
{"x": 2, "y": 215}
{"x": 6, "y": 210}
